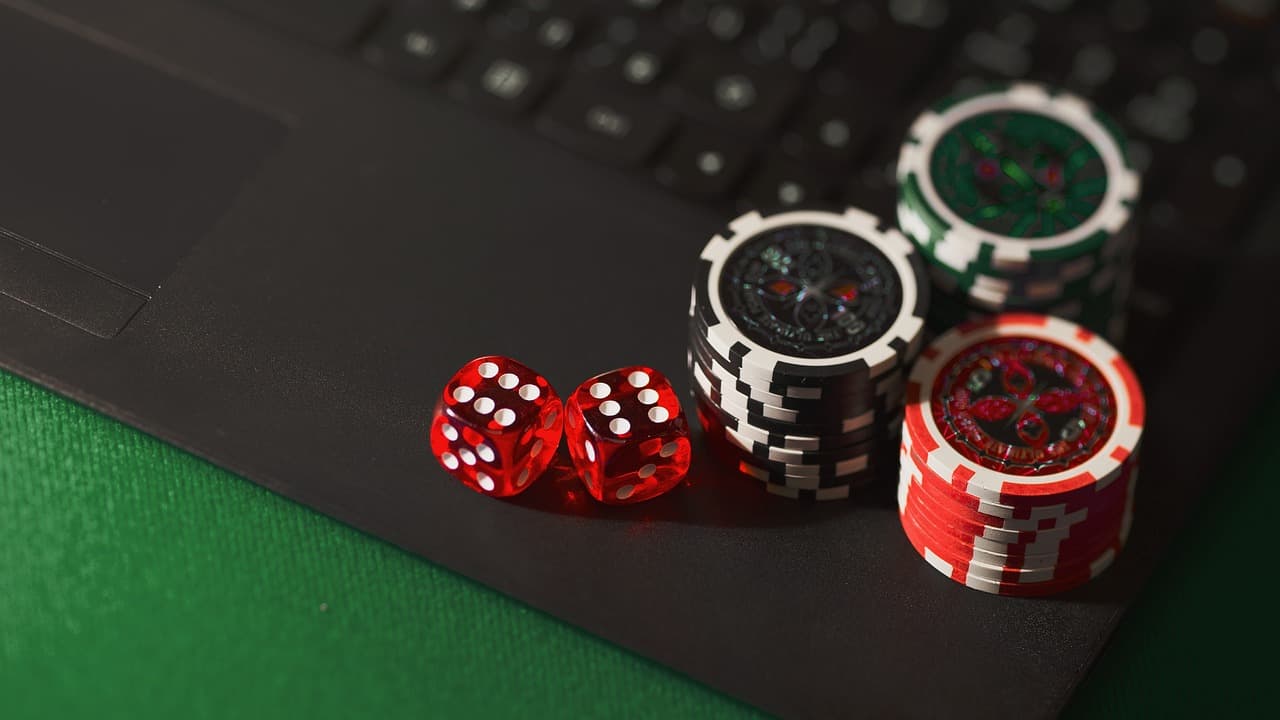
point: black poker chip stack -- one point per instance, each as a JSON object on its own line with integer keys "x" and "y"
{"x": 801, "y": 325}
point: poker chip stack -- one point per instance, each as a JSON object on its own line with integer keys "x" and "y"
{"x": 1020, "y": 199}
{"x": 1019, "y": 454}
{"x": 801, "y": 327}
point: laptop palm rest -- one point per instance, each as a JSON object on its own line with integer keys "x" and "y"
{"x": 111, "y": 169}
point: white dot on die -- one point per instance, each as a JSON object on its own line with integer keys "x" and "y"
{"x": 625, "y": 491}
{"x": 530, "y": 392}
{"x": 537, "y": 447}
{"x": 523, "y": 478}
{"x": 639, "y": 378}
{"x": 669, "y": 449}
{"x": 648, "y": 396}
{"x": 483, "y": 405}
{"x": 467, "y": 456}
{"x": 550, "y": 419}
{"x": 609, "y": 408}
{"x": 508, "y": 380}
{"x": 485, "y": 481}
{"x": 658, "y": 414}
{"x": 598, "y": 390}
{"x": 590, "y": 450}
{"x": 449, "y": 431}
{"x": 647, "y": 470}
{"x": 487, "y": 369}
{"x": 619, "y": 426}
{"x": 462, "y": 393}
{"x": 449, "y": 460}
{"x": 505, "y": 417}
{"x": 485, "y": 452}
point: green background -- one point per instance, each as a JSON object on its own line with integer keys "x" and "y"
{"x": 137, "y": 581}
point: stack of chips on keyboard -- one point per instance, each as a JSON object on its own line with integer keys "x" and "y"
{"x": 1020, "y": 198}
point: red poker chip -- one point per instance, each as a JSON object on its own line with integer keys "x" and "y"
{"x": 1005, "y": 570}
{"x": 1051, "y": 553}
{"x": 946, "y": 496}
{"x": 1023, "y": 407}
{"x": 1023, "y": 519}
{"x": 967, "y": 527}
{"x": 1062, "y": 543}
{"x": 1090, "y": 496}
{"x": 1069, "y": 579}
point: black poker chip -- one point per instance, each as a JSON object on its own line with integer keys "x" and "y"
{"x": 791, "y": 397}
{"x": 801, "y": 325}
{"x": 827, "y": 414}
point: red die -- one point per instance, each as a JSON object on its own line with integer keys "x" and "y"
{"x": 497, "y": 426}
{"x": 627, "y": 435}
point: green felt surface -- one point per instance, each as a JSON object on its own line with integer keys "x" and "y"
{"x": 137, "y": 581}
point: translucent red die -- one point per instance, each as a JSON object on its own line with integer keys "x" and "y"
{"x": 497, "y": 426}
{"x": 627, "y": 435}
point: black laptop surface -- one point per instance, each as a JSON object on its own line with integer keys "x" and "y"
{"x": 268, "y": 232}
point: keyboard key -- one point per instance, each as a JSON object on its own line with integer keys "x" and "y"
{"x": 636, "y": 50}
{"x": 727, "y": 93}
{"x": 418, "y": 44}
{"x": 604, "y": 125}
{"x": 551, "y": 26}
{"x": 702, "y": 163}
{"x": 1218, "y": 178}
{"x": 830, "y": 131}
{"x": 331, "y": 24}
{"x": 793, "y": 35}
{"x": 779, "y": 183}
{"x": 504, "y": 81}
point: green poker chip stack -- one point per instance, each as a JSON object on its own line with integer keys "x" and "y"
{"x": 1020, "y": 198}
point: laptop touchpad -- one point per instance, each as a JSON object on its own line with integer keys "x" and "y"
{"x": 110, "y": 170}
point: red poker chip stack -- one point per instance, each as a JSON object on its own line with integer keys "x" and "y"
{"x": 1019, "y": 455}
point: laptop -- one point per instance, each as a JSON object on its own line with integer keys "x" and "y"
{"x": 268, "y": 231}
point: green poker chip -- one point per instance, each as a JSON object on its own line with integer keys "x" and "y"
{"x": 1020, "y": 197}
{"x": 1014, "y": 180}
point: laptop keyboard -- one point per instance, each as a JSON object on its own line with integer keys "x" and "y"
{"x": 765, "y": 104}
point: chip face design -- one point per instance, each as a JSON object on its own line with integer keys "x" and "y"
{"x": 1023, "y": 406}
{"x": 810, "y": 291}
{"x": 1019, "y": 174}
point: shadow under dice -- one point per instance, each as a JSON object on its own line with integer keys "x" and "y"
{"x": 497, "y": 426}
{"x": 627, "y": 435}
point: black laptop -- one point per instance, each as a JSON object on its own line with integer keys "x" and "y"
{"x": 267, "y": 231}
